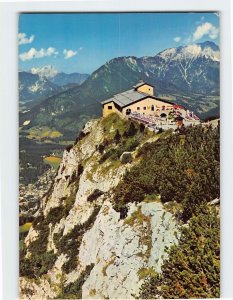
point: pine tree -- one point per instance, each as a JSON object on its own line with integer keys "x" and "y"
{"x": 117, "y": 136}
{"x": 131, "y": 131}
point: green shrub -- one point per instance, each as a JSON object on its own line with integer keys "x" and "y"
{"x": 101, "y": 148}
{"x": 131, "y": 144}
{"x": 94, "y": 195}
{"x": 74, "y": 289}
{"x": 187, "y": 173}
{"x": 193, "y": 267}
{"x": 80, "y": 137}
{"x": 39, "y": 245}
{"x": 80, "y": 169}
{"x": 56, "y": 214}
{"x": 69, "y": 147}
{"x": 69, "y": 244}
{"x": 142, "y": 127}
{"x": 37, "y": 265}
{"x": 107, "y": 155}
{"x": 126, "y": 157}
{"x": 117, "y": 137}
{"x": 132, "y": 130}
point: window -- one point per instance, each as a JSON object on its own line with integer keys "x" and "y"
{"x": 144, "y": 108}
{"x": 138, "y": 108}
{"x": 152, "y": 107}
{"x": 128, "y": 111}
{"x": 109, "y": 107}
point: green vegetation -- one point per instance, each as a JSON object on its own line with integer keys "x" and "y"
{"x": 42, "y": 133}
{"x": 25, "y": 227}
{"x": 138, "y": 217}
{"x": 152, "y": 198}
{"x": 186, "y": 172}
{"x": 94, "y": 195}
{"x": 37, "y": 265}
{"x": 41, "y": 260}
{"x": 120, "y": 136}
{"x": 53, "y": 161}
{"x": 181, "y": 171}
{"x": 74, "y": 289}
{"x": 23, "y": 231}
{"x": 31, "y": 163}
{"x": 193, "y": 267}
{"x": 146, "y": 272}
{"x": 69, "y": 244}
{"x": 113, "y": 124}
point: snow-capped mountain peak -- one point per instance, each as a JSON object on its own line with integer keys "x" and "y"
{"x": 206, "y": 49}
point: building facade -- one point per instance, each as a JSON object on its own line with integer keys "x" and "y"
{"x": 140, "y": 99}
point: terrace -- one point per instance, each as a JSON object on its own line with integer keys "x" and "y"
{"x": 155, "y": 122}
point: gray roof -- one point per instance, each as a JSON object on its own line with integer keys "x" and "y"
{"x": 140, "y": 83}
{"x": 133, "y": 95}
{"x": 126, "y": 98}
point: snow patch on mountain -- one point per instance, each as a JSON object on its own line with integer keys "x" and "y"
{"x": 37, "y": 87}
{"x": 48, "y": 71}
{"x": 191, "y": 52}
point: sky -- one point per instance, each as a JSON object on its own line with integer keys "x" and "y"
{"x": 83, "y": 42}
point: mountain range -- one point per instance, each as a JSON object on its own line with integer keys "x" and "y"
{"x": 188, "y": 75}
{"x": 40, "y": 83}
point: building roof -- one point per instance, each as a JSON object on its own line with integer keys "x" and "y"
{"x": 126, "y": 98}
{"x": 141, "y": 83}
{"x": 129, "y": 97}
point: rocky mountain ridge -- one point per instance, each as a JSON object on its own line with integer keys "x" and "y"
{"x": 32, "y": 87}
{"x": 112, "y": 256}
{"x": 41, "y": 83}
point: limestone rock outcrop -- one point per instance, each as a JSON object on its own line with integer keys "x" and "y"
{"x": 121, "y": 251}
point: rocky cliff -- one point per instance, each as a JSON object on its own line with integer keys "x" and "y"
{"x": 80, "y": 245}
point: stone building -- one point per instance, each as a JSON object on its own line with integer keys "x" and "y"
{"x": 140, "y": 99}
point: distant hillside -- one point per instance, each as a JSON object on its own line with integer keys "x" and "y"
{"x": 41, "y": 83}
{"x": 63, "y": 78}
{"x": 33, "y": 87}
{"x": 189, "y": 75}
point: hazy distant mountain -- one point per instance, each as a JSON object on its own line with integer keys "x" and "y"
{"x": 189, "y": 75}
{"x": 59, "y": 78}
{"x": 40, "y": 83}
{"x": 33, "y": 86}
{"x": 63, "y": 78}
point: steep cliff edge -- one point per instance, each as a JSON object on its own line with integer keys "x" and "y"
{"x": 102, "y": 229}
{"x": 78, "y": 210}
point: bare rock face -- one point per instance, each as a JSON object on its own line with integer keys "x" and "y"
{"x": 122, "y": 249}
{"x": 121, "y": 252}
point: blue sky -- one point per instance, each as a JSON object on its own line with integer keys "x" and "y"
{"x": 84, "y": 42}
